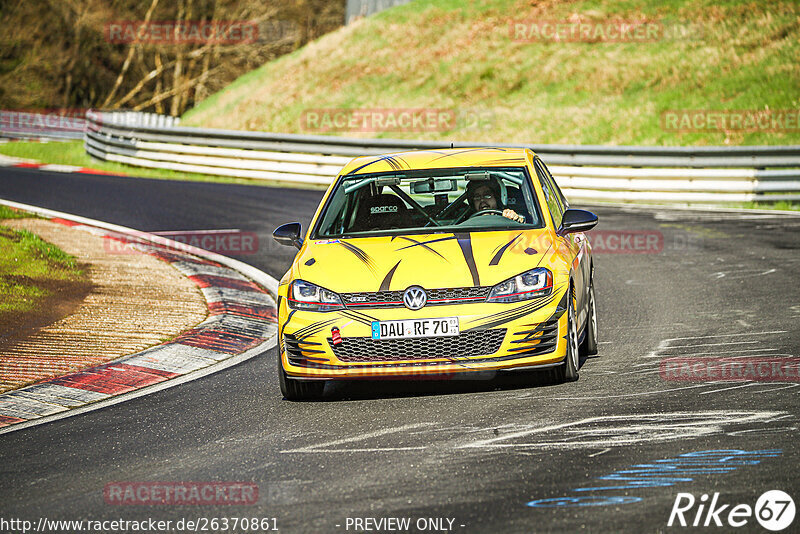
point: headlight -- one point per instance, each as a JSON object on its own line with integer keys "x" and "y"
{"x": 528, "y": 285}
{"x": 307, "y": 296}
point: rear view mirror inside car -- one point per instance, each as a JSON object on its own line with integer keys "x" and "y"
{"x": 478, "y": 175}
{"x": 432, "y": 185}
{"x": 388, "y": 180}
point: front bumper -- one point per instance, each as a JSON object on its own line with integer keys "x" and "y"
{"x": 492, "y": 337}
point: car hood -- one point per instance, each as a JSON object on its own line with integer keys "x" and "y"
{"x": 439, "y": 260}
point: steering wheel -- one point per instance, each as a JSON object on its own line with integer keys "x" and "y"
{"x": 478, "y": 214}
{"x": 486, "y": 212}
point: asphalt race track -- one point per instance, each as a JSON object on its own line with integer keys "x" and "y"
{"x": 601, "y": 454}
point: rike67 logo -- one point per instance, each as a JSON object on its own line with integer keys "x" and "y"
{"x": 774, "y": 510}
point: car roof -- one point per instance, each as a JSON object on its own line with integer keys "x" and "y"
{"x": 438, "y": 159}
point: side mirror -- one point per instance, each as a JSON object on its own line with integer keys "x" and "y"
{"x": 577, "y": 221}
{"x": 288, "y": 234}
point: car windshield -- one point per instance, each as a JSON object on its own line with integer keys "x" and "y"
{"x": 430, "y": 201}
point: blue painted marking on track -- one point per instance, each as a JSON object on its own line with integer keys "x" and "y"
{"x": 660, "y": 473}
{"x": 599, "y": 500}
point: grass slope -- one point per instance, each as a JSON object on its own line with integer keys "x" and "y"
{"x": 460, "y": 56}
{"x": 30, "y": 269}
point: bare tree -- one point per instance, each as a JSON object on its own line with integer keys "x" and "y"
{"x": 62, "y": 49}
{"x": 127, "y": 64}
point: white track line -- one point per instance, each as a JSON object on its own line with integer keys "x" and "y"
{"x": 729, "y": 335}
{"x": 747, "y": 385}
{"x": 326, "y": 447}
{"x": 639, "y": 394}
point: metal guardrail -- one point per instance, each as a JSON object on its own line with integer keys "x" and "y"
{"x": 665, "y": 174}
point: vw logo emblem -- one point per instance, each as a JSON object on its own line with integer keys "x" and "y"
{"x": 415, "y": 298}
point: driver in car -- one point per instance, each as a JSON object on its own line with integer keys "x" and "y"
{"x": 484, "y": 195}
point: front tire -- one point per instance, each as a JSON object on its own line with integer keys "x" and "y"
{"x": 298, "y": 390}
{"x": 568, "y": 371}
{"x": 589, "y": 345}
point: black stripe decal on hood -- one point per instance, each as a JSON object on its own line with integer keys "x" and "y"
{"x": 360, "y": 254}
{"x": 465, "y": 242}
{"x": 496, "y": 258}
{"x": 388, "y": 278}
{"x": 423, "y": 245}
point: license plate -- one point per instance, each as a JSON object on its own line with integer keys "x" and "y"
{"x": 409, "y": 328}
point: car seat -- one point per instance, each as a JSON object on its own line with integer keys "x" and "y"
{"x": 382, "y": 212}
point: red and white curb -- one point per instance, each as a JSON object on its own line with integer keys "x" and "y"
{"x": 19, "y": 163}
{"x": 241, "y": 324}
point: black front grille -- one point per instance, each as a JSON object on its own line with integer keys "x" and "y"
{"x": 469, "y": 343}
{"x": 394, "y": 299}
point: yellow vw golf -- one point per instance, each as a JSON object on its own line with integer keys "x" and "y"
{"x": 436, "y": 262}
